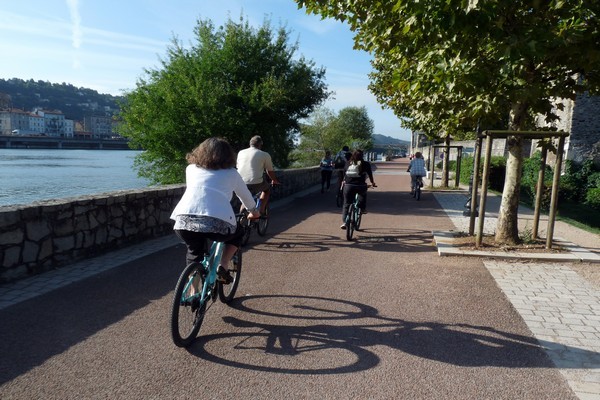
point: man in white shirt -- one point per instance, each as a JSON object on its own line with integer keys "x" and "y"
{"x": 252, "y": 163}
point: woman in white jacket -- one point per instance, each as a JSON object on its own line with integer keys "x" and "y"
{"x": 204, "y": 211}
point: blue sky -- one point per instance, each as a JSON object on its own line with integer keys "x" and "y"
{"x": 105, "y": 45}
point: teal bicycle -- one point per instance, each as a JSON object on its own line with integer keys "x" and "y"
{"x": 197, "y": 288}
{"x": 354, "y": 217}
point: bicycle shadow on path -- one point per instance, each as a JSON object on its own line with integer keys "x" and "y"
{"x": 290, "y": 349}
{"x": 370, "y": 239}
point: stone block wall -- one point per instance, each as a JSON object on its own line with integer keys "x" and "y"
{"x": 45, "y": 235}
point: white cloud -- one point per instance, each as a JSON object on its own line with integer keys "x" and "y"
{"x": 77, "y": 34}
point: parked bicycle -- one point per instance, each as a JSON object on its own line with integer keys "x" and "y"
{"x": 197, "y": 288}
{"x": 416, "y": 189}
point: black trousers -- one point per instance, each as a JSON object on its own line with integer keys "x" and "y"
{"x": 326, "y": 178}
{"x": 197, "y": 242}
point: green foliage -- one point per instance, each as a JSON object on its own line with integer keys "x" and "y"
{"x": 529, "y": 181}
{"x": 592, "y": 198}
{"x": 577, "y": 179}
{"x": 325, "y": 130}
{"x": 497, "y": 171}
{"x": 594, "y": 180}
{"x": 232, "y": 82}
{"x": 466, "y": 169}
{"x": 74, "y": 102}
{"x": 437, "y": 61}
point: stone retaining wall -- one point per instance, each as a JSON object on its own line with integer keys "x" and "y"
{"x": 45, "y": 235}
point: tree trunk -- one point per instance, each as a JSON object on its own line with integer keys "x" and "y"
{"x": 507, "y": 229}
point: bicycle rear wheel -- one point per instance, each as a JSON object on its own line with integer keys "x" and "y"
{"x": 226, "y": 292}
{"x": 350, "y": 222}
{"x": 358, "y": 217}
{"x": 418, "y": 191}
{"x": 188, "y": 311}
{"x": 263, "y": 223}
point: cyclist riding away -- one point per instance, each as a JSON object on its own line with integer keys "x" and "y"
{"x": 355, "y": 181}
{"x": 204, "y": 212}
{"x": 252, "y": 163}
{"x": 416, "y": 169}
{"x": 340, "y": 162}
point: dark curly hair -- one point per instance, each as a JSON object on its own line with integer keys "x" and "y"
{"x": 214, "y": 153}
{"x": 356, "y": 156}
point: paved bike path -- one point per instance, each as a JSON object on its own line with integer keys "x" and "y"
{"x": 381, "y": 317}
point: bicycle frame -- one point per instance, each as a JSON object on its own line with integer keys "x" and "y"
{"x": 210, "y": 263}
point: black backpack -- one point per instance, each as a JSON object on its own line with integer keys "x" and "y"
{"x": 340, "y": 161}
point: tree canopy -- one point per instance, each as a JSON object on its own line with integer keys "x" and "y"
{"x": 442, "y": 65}
{"x": 234, "y": 82}
{"x": 326, "y": 130}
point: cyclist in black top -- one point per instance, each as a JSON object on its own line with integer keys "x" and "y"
{"x": 355, "y": 181}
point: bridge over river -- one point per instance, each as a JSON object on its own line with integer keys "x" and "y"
{"x": 50, "y": 142}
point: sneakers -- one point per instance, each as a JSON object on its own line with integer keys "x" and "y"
{"x": 224, "y": 276}
{"x": 343, "y": 226}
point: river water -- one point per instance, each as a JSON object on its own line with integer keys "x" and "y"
{"x": 28, "y": 175}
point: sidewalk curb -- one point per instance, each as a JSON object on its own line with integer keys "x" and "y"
{"x": 444, "y": 242}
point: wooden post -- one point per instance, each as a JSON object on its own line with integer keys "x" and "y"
{"x": 539, "y": 193}
{"x": 554, "y": 198}
{"x": 484, "y": 185}
{"x": 458, "y": 161}
{"x": 431, "y": 165}
{"x": 475, "y": 187}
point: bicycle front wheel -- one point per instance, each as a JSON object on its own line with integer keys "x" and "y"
{"x": 263, "y": 222}
{"x": 350, "y": 222}
{"x": 226, "y": 292}
{"x": 188, "y": 310}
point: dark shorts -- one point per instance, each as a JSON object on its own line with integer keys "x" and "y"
{"x": 197, "y": 242}
{"x": 255, "y": 188}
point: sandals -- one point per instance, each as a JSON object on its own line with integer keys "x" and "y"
{"x": 224, "y": 276}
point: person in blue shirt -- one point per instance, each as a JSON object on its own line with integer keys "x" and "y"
{"x": 326, "y": 171}
{"x": 416, "y": 168}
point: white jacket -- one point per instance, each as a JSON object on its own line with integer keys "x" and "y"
{"x": 209, "y": 192}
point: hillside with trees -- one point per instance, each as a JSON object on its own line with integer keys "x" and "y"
{"x": 74, "y": 102}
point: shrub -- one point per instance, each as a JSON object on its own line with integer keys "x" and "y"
{"x": 529, "y": 180}
{"x": 497, "y": 171}
{"x": 594, "y": 180}
{"x": 592, "y": 198}
{"x": 466, "y": 169}
{"x": 577, "y": 179}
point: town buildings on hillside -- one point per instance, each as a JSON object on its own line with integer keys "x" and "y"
{"x": 40, "y": 122}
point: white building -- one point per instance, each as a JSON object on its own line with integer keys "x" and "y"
{"x": 51, "y": 123}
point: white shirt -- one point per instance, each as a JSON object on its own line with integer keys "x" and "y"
{"x": 209, "y": 192}
{"x": 251, "y": 164}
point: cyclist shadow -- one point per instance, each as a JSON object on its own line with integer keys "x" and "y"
{"x": 351, "y": 348}
{"x": 373, "y": 239}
